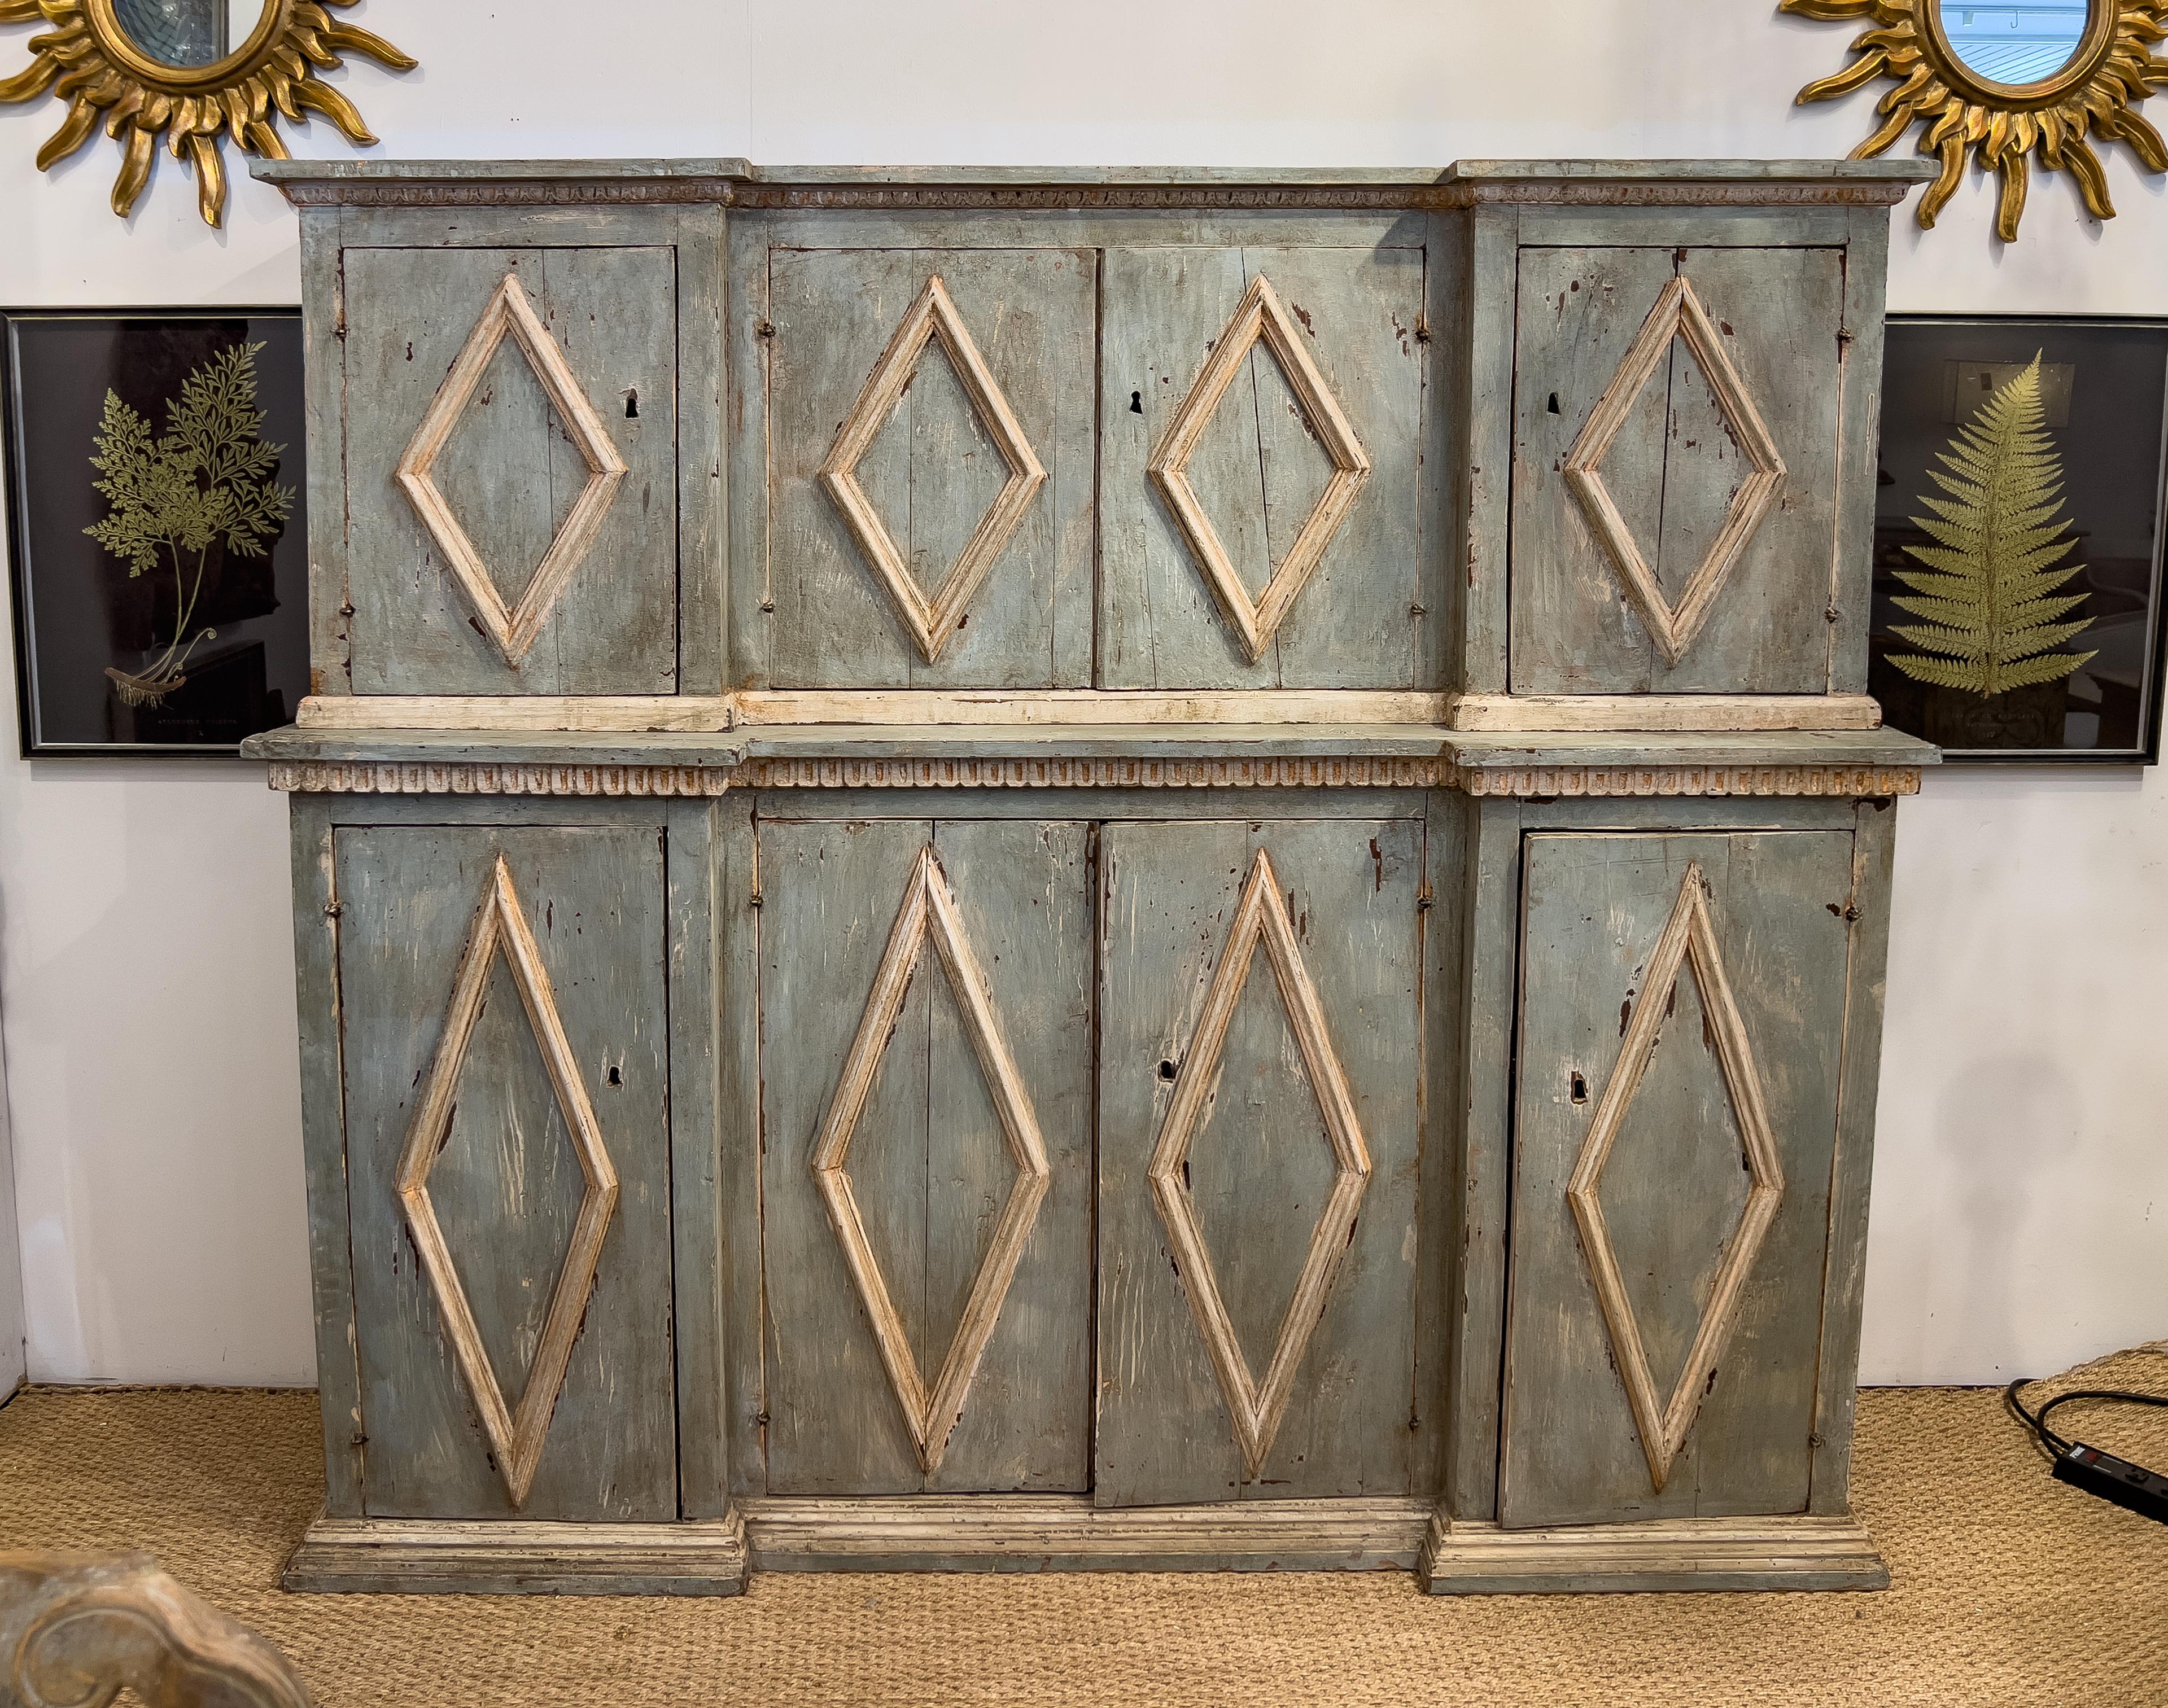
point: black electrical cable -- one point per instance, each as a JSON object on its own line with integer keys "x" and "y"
{"x": 2037, "y": 1422}
{"x": 2039, "y": 1431}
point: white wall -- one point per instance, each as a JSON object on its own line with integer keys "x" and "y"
{"x": 2022, "y": 1187}
{"x": 12, "y": 1341}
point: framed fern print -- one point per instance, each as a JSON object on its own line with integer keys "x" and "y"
{"x": 2018, "y": 609}
{"x": 156, "y": 547}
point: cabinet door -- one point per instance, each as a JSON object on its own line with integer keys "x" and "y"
{"x": 511, "y": 465}
{"x": 925, "y": 1028}
{"x": 1262, "y": 524}
{"x": 1697, "y": 425}
{"x": 1682, "y": 1017}
{"x": 1260, "y": 1058}
{"x": 503, "y": 1023}
{"x": 926, "y": 510}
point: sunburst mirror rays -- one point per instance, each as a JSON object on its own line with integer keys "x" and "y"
{"x": 2083, "y": 65}
{"x": 194, "y": 72}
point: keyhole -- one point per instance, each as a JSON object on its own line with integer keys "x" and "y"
{"x": 1136, "y": 403}
{"x": 1553, "y": 403}
{"x": 1579, "y": 1089}
{"x": 615, "y": 1078}
{"x": 1166, "y": 1071}
{"x": 632, "y": 403}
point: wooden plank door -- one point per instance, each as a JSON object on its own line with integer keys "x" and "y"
{"x": 1259, "y": 1056}
{"x": 925, "y": 1050}
{"x": 1682, "y": 1025}
{"x": 534, "y": 390}
{"x": 1329, "y": 431}
{"x": 923, "y": 518}
{"x": 504, "y": 1031}
{"x": 1674, "y": 466}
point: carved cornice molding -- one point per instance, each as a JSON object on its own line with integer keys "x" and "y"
{"x": 1615, "y": 780}
{"x": 669, "y": 781}
{"x": 319, "y": 776}
{"x": 1283, "y": 772}
{"x": 1598, "y": 193}
{"x": 485, "y": 193}
{"x": 891, "y": 198}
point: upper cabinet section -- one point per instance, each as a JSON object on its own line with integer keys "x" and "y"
{"x": 1673, "y": 384}
{"x": 1674, "y": 470}
{"x": 1475, "y": 440}
{"x": 1078, "y": 447}
{"x": 914, "y": 463}
{"x": 1261, "y": 514}
{"x": 519, "y": 410}
{"x": 511, "y": 504}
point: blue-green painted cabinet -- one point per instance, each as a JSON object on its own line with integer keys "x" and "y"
{"x": 1015, "y": 870}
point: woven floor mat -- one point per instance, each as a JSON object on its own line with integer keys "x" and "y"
{"x": 2007, "y": 1590}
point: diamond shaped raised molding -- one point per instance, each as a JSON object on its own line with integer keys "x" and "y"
{"x": 1688, "y": 939}
{"x": 931, "y": 622}
{"x": 516, "y": 1435}
{"x": 1260, "y": 314}
{"x": 1678, "y": 313}
{"x": 1256, "y": 1408}
{"x": 512, "y": 629}
{"x": 928, "y": 909}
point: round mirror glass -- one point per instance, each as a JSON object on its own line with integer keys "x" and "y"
{"x": 188, "y": 34}
{"x": 2017, "y": 41}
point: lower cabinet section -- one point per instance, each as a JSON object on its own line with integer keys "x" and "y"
{"x": 1008, "y": 1179}
{"x": 925, "y": 1180}
{"x": 1675, "y": 1016}
{"x": 505, "y": 1036}
{"x": 1682, "y": 1002}
{"x": 948, "y": 1042}
{"x": 1260, "y": 1070}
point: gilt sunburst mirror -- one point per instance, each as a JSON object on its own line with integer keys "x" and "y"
{"x": 2004, "y": 83}
{"x": 196, "y": 73}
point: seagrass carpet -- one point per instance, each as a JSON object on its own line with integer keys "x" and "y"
{"x": 2007, "y": 1590}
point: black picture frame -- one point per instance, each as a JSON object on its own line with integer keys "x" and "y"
{"x": 2105, "y": 383}
{"x": 81, "y": 621}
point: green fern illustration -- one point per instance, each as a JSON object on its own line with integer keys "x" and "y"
{"x": 1988, "y": 591}
{"x": 207, "y": 479}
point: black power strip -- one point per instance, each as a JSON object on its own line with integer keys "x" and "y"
{"x": 2127, "y": 1485}
{"x": 2131, "y": 1487}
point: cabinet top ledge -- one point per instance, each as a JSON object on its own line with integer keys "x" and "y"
{"x": 736, "y": 182}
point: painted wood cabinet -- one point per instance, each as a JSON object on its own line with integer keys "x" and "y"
{"x": 1671, "y": 414}
{"x": 1676, "y": 441}
{"x": 520, "y": 494}
{"x": 940, "y": 1242}
{"x": 1260, "y": 1074}
{"x": 1262, "y": 513}
{"x": 1007, "y": 870}
{"x": 504, "y": 1028}
{"x": 926, "y": 1045}
{"x": 544, "y": 436}
{"x": 947, "y": 394}
{"x": 1671, "y": 1178}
